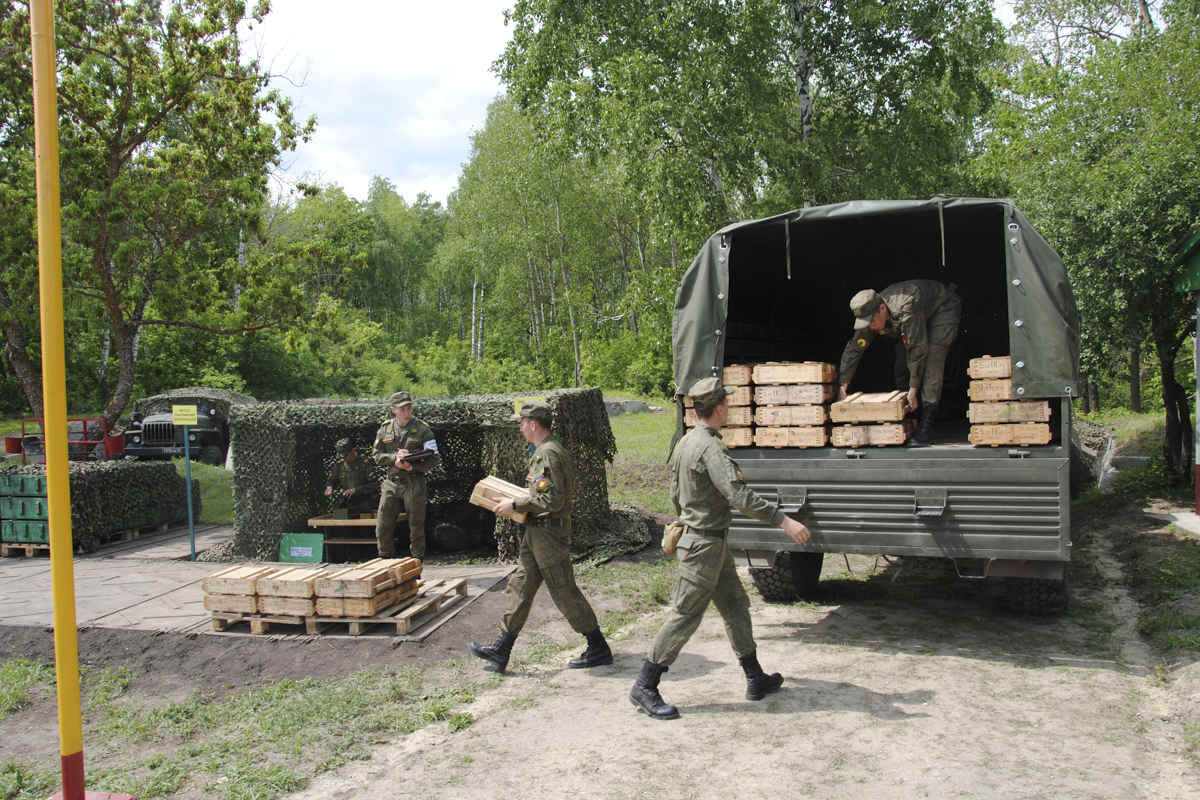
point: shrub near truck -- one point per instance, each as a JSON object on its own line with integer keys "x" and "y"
{"x": 778, "y": 289}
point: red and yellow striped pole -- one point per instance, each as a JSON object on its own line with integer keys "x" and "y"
{"x": 54, "y": 394}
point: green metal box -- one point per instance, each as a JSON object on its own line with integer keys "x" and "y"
{"x": 25, "y": 531}
{"x": 23, "y": 485}
{"x": 24, "y": 508}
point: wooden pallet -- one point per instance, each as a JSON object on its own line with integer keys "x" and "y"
{"x": 132, "y": 534}
{"x": 435, "y": 598}
{"x": 23, "y": 549}
{"x": 259, "y": 623}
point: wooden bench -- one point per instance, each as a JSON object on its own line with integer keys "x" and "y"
{"x": 326, "y": 521}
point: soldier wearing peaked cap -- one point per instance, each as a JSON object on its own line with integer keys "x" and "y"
{"x": 923, "y": 317}
{"x": 705, "y": 484}
{"x": 545, "y": 552}
{"x": 402, "y": 436}
{"x": 353, "y": 476}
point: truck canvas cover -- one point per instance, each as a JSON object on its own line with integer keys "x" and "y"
{"x": 794, "y": 274}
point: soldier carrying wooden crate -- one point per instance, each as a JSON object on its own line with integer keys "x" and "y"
{"x": 924, "y": 317}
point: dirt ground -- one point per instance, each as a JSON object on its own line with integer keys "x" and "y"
{"x": 911, "y": 683}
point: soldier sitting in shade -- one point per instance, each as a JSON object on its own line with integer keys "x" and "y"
{"x": 353, "y": 476}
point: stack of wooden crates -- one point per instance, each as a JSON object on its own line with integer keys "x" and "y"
{"x": 792, "y": 400}
{"x": 738, "y": 430}
{"x": 997, "y": 416}
{"x": 885, "y": 409}
{"x": 24, "y": 514}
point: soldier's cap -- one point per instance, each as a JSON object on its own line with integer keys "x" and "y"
{"x": 707, "y": 392}
{"x": 534, "y": 409}
{"x": 865, "y": 306}
{"x": 400, "y": 399}
{"x": 343, "y": 446}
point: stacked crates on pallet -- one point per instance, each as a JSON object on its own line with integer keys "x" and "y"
{"x": 738, "y": 430}
{"x": 997, "y": 416}
{"x": 792, "y": 400}
{"x": 24, "y": 514}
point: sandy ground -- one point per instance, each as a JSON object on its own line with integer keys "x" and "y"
{"x": 924, "y": 691}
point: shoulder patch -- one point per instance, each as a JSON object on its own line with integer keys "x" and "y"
{"x": 862, "y": 343}
{"x": 543, "y": 483}
{"x": 740, "y": 476}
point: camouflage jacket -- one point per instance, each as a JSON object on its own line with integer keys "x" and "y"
{"x": 413, "y": 437}
{"x": 706, "y": 483}
{"x": 352, "y": 475}
{"x": 551, "y": 481}
{"x": 910, "y": 304}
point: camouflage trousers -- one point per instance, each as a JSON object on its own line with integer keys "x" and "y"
{"x": 412, "y": 495}
{"x": 545, "y": 556}
{"x": 943, "y": 330}
{"x": 706, "y": 572}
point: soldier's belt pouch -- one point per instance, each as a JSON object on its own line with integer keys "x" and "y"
{"x": 671, "y": 534}
{"x": 548, "y": 522}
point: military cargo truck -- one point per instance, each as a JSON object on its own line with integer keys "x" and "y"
{"x": 778, "y": 289}
{"x": 156, "y": 436}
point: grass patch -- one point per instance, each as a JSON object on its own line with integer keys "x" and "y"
{"x": 641, "y": 589}
{"x": 261, "y": 744}
{"x": 640, "y": 472}
{"x": 21, "y": 682}
{"x": 216, "y": 490}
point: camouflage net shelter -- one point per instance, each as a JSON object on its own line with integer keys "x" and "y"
{"x": 200, "y": 396}
{"x": 282, "y": 452}
{"x": 111, "y": 496}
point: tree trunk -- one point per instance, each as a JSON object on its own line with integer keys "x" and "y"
{"x": 562, "y": 265}
{"x": 16, "y": 347}
{"x": 102, "y": 373}
{"x": 1135, "y": 379}
{"x": 126, "y": 335}
{"x": 798, "y": 12}
{"x": 1085, "y": 396}
{"x": 1094, "y": 394}
{"x": 1166, "y": 345}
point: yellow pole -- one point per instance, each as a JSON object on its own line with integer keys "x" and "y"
{"x": 54, "y": 393}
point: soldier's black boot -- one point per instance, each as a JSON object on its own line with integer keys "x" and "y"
{"x": 758, "y": 683}
{"x": 496, "y": 654}
{"x": 645, "y": 693}
{"x": 597, "y": 653}
{"x": 924, "y": 435}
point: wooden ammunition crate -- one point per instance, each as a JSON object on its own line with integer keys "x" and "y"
{"x": 804, "y": 395}
{"x": 365, "y": 580}
{"x": 491, "y": 490}
{"x": 790, "y": 416}
{"x": 990, "y": 367}
{"x": 874, "y": 435}
{"x": 881, "y": 407}
{"x": 1009, "y": 411}
{"x": 238, "y": 603}
{"x": 365, "y": 606}
{"x": 787, "y": 372}
{"x": 287, "y": 606}
{"x": 737, "y": 437}
{"x": 813, "y": 436}
{"x": 241, "y": 580}
{"x": 739, "y": 417}
{"x": 1022, "y": 433}
{"x": 996, "y": 389}
{"x": 736, "y": 375}
{"x": 740, "y": 397}
{"x": 292, "y": 582}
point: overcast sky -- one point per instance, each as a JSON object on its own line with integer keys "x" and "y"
{"x": 397, "y": 85}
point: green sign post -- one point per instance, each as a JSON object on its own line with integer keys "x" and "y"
{"x": 186, "y": 416}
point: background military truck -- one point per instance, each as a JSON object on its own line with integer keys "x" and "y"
{"x": 778, "y": 289}
{"x": 151, "y": 433}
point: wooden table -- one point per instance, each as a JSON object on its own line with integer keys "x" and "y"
{"x": 327, "y": 521}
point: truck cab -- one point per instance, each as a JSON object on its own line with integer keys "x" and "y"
{"x": 778, "y": 289}
{"x": 156, "y": 436}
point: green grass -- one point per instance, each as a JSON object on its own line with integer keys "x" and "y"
{"x": 21, "y": 682}
{"x": 216, "y": 491}
{"x": 640, "y": 472}
{"x": 641, "y": 589}
{"x": 260, "y": 744}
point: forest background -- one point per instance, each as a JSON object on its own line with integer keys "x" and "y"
{"x": 628, "y": 132}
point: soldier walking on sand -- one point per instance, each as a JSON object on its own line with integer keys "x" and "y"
{"x": 399, "y": 437}
{"x": 704, "y": 484}
{"x": 545, "y": 553}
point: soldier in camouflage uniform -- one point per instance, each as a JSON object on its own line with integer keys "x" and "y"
{"x": 545, "y": 553}
{"x": 401, "y": 436}
{"x": 923, "y": 316}
{"x": 353, "y": 476}
{"x": 704, "y": 484}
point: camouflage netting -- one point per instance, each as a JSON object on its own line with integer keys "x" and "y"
{"x": 111, "y": 496}
{"x": 200, "y": 396}
{"x": 283, "y": 451}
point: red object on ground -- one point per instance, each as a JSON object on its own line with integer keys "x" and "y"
{"x": 114, "y": 445}
{"x": 99, "y": 796}
{"x": 12, "y": 444}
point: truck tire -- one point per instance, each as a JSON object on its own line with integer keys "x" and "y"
{"x": 794, "y": 575}
{"x": 1038, "y": 597}
{"x": 211, "y": 454}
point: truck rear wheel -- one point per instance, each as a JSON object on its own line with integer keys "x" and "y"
{"x": 794, "y": 575}
{"x": 211, "y": 454}
{"x": 1038, "y": 597}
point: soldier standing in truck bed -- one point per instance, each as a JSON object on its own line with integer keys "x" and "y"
{"x": 545, "y": 554}
{"x": 705, "y": 485}
{"x": 353, "y": 476}
{"x": 402, "y": 436}
{"x": 923, "y": 316}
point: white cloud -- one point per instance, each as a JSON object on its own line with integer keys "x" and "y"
{"x": 397, "y": 86}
